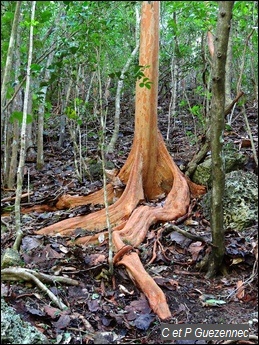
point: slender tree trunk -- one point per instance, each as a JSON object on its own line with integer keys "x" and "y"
{"x": 64, "y": 103}
{"x": 20, "y": 171}
{"x": 6, "y": 127}
{"x": 228, "y": 81}
{"x": 8, "y": 64}
{"x": 174, "y": 83}
{"x": 114, "y": 138}
{"x": 41, "y": 112}
{"x": 16, "y": 106}
{"x": 217, "y": 139}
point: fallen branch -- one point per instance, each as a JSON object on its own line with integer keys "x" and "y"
{"x": 10, "y": 198}
{"x": 18, "y": 273}
{"x": 171, "y": 226}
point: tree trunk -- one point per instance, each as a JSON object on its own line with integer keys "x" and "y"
{"x": 8, "y": 130}
{"x": 217, "y": 139}
{"x": 23, "y": 138}
{"x": 41, "y": 113}
{"x": 228, "y": 79}
{"x": 115, "y": 134}
{"x": 9, "y": 58}
{"x": 149, "y": 173}
{"x": 16, "y": 106}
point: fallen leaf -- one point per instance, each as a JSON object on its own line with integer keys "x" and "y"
{"x": 29, "y": 243}
{"x": 124, "y": 290}
{"x": 236, "y": 261}
{"x": 195, "y": 248}
{"x": 93, "y": 305}
{"x": 191, "y": 222}
{"x": 62, "y": 322}
{"x": 240, "y": 290}
{"x": 143, "y": 321}
{"x": 52, "y": 312}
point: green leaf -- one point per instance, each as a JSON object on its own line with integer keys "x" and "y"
{"x": 73, "y": 49}
{"x": 35, "y": 67}
{"x": 18, "y": 115}
{"x": 43, "y": 84}
{"x": 45, "y": 16}
{"x": 213, "y": 303}
{"x": 79, "y": 122}
{"x": 9, "y": 93}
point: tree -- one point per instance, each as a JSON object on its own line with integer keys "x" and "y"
{"x": 9, "y": 58}
{"x": 149, "y": 173}
{"x": 114, "y": 137}
{"x": 10, "y": 164}
{"x": 20, "y": 171}
{"x": 216, "y": 133}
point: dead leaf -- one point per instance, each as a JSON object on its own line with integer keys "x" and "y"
{"x": 195, "y": 248}
{"x": 125, "y": 290}
{"x": 240, "y": 290}
{"x": 62, "y": 322}
{"x": 139, "y": 306}
{"x": 29, "y": 243}
{"x": 117, "y": 184}
{"x": 63, "y": 249}
{"x": 191, "y": 222}
{"x": 170, "y": 284}
{"x": 51, "y": 311}
{"x": 143, "y": 321}
{"x": 236, "y": 261}
{"x": 95, "y": 259}
{"x": 180, "y": 239}
{"x": 93, "y": 305}
{"x": 111, "y": 173}
{"x": 245, "y": 143}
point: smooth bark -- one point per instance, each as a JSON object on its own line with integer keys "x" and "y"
{"x": 217, "y": 136}
{"x": 23, "y": 138}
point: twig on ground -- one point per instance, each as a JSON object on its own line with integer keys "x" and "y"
{"x": 17, "y": 273}
{"x": 245, "y": 283}
{"x": 171, "y": 226}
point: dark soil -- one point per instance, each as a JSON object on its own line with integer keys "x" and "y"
{"x": 104, "y": 309}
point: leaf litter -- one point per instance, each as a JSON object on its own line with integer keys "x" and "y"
{"x": 103, "y": 310}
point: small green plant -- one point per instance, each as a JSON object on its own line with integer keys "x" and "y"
{"x": 183, "y": 103}
{"x": 192, "y": 138}
{"x": 196, "y": 110}
{"x": 71, "y": 114}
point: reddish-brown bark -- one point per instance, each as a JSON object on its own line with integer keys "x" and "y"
{"x": 149, "y": 173}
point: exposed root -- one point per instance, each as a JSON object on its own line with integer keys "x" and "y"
{"x": 131, "y": 221}
{"x": 146, "y": 283}
{"x": 118, "y": 212}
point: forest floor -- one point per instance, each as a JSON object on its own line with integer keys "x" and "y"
{"x": 104, "y": 310}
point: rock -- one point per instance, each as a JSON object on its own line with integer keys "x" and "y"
{"x": 202, "y": 174}
{"x": 10, "y": 257}
{"x": 96, "y": 169}
{"x": 16, "y": 331}
{"x": 234, "y": 160}
{"x": 240, "y": 204}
